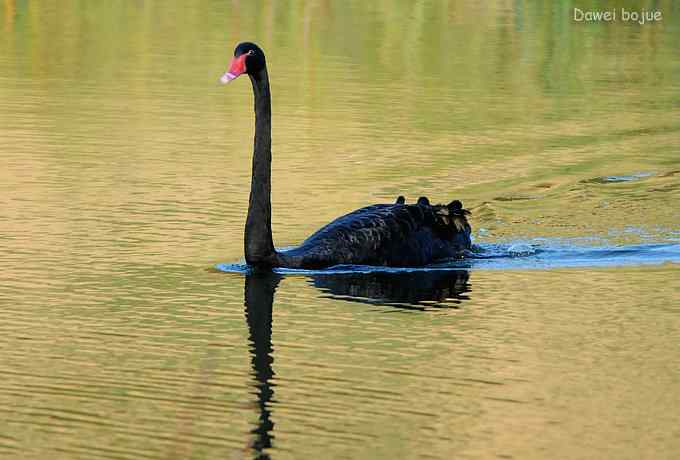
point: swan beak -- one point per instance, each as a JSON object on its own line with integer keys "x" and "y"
{"x": 236, "y": 68}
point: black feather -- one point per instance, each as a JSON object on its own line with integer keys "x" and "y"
{"x": 385, "y": 234}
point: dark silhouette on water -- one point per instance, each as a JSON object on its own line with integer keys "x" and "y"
{"x": 400, "y": 290}
{"x": 412, "y": 291}
{"x": 397, "y": 234}
{"x": 258, "y": 299}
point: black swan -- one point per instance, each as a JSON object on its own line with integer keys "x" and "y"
{"x": 398, "y": 234}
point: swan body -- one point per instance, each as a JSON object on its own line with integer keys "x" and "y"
{"x": 398, "y": 234}
{"x": 395, "y": 235}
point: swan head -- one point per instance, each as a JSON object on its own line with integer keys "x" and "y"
{"x": 248, "y": 58}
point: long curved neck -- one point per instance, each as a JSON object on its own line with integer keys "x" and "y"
{"x": 259, "y": 248}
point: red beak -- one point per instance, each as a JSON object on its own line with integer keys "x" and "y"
{"x": 236, "y": 68}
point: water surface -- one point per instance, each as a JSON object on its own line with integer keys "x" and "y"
{"x": 124, "y": 182}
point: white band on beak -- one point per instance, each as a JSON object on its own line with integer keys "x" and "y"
{"x": 227, "y": 77}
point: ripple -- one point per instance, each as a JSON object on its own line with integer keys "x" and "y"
{"x": 615, "y": 179}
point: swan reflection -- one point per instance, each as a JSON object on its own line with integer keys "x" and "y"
{"x": 411, "y": 290}
{"x": 258, "y": 299}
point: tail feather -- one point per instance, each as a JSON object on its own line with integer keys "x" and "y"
{"x": 452, "y": 216}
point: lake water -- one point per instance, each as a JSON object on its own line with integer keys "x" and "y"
{"x": 131, "y": 330}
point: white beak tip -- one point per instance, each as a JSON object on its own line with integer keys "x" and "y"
{"x": 227, "y": 77}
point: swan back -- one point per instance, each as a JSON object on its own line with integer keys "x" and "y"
{"x": 385, "y": 234}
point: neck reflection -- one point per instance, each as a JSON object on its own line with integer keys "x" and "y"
{"x": 258, "y": 299}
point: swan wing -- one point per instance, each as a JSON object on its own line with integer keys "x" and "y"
{"x": 385, "y": 234}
